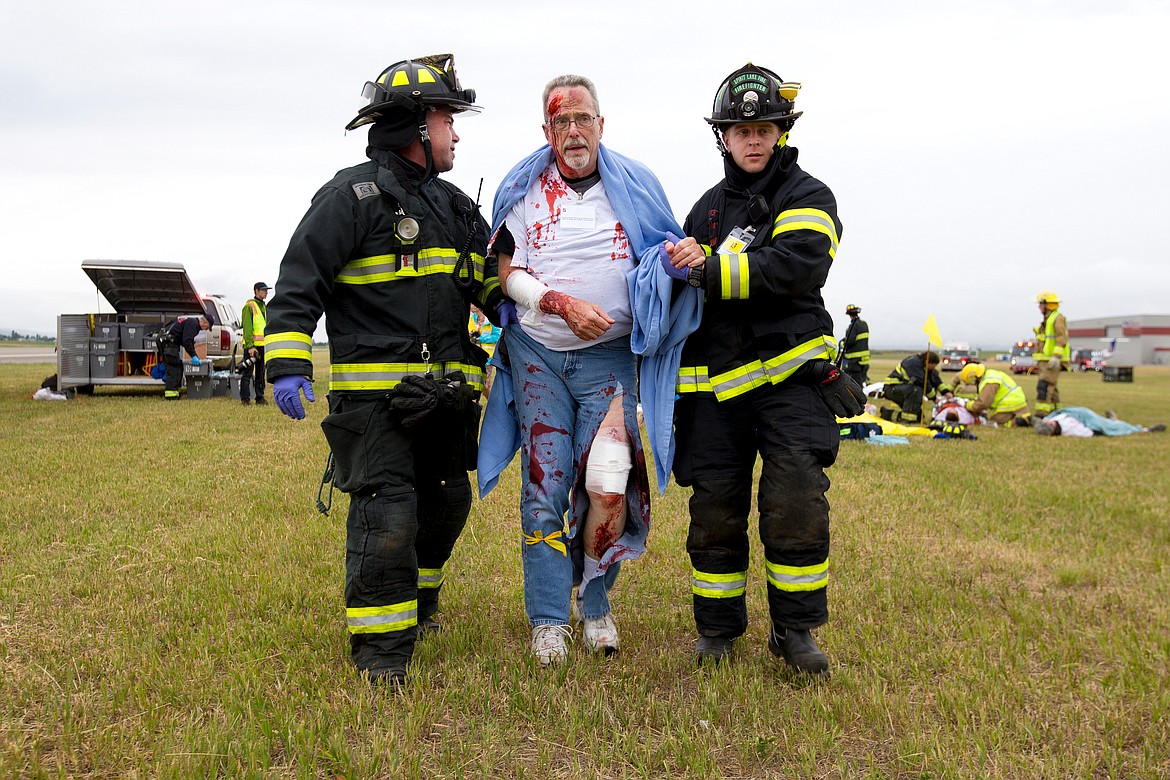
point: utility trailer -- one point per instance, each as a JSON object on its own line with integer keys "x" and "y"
{"x": 120, "y": 347}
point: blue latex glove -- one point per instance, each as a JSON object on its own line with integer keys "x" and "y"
{"x": 664, "y": 259}
{"x": 195, "y": 361}
{"x": 287, "y": 392}
{"x": 508, "y": 316}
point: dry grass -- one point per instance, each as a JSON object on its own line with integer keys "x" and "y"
{"x": 999, "y": 609}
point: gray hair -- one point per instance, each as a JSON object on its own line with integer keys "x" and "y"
{"x": 1044, "y": 427}
{"x": 569, "y": 81}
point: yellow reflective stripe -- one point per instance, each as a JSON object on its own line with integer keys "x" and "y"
{"x": 383, "y": 376}
{"x": 385, "y": 268}
{"x": 431, "y": 578}
{"x": 738, "y": 381}
{"x": 861, "y": 336}
{"x": 718, "y": 586}
{"x": 798, "y": 578}
{"x": 807, "y": 219}
{"x": 381, "y": 620}
{"x": 368, "y": 270}
{"x": 298, "y": 346}
{"x": 492, "y": 284}
{"x": 693, "y": 380}
{"x": 733, "y": 276}
{"x": 552, "y": 540}
{"x": 745, "y": 378}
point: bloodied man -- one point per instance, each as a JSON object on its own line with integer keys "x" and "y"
{"x": 564, "y": 258}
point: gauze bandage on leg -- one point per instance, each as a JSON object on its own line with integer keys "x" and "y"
{"x": 523, "y": 288}
{"x": 608, "y": 466}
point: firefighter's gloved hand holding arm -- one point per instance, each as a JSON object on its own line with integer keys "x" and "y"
{"x": 287, "y": 392}
{"x": 842, "y": 395}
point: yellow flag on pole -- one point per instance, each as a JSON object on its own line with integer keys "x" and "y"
{"x": 931, "y": 330}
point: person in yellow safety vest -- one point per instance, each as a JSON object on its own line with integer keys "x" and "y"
{"x": 1051, "y": 353}
{"x": 1000, "y": 399}
{"x": 254, "y": 317}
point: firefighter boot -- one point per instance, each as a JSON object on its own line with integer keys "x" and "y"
{"x": 798, "y": 649}
{"x": 713, "y": 649}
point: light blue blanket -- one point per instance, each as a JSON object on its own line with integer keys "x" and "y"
{"x": 660, "y": 325}
{"x": 1095, "y": 422}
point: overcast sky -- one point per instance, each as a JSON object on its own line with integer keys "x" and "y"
{"x": 979, "y": 152}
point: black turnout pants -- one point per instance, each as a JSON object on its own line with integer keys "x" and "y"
{"x": 791, "y": 429}
{"x": 409, "y": 500}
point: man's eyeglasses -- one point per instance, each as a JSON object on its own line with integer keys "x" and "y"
{"x": 583, "y": 121}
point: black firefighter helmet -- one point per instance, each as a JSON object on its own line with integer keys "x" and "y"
{"x": 755, "y": 94}
{"x": 410, "y": 86}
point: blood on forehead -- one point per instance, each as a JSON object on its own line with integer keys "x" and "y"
{"x": 569, "y": 99}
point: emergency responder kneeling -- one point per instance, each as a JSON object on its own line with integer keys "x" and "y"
{"x": 914, "y": 379}
{"x": 1000, "y": 400}
{"x": 393, "y": 256}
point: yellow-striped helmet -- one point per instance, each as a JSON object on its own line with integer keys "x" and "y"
{"x": 412, "y": 85}
{"x": 1047, "y": 296}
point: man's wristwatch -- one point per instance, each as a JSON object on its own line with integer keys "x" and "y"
{"x": 695, "y": 276}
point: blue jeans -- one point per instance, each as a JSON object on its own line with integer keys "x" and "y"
{"x": 561, "y": 398}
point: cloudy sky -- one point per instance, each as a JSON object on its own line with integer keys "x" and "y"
{"x": 979, "y": 152}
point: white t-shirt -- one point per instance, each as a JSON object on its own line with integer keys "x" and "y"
{"x": 573, "y": 244}
{"x": 1069, "y": 425}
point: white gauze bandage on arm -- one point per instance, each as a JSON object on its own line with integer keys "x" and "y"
{"x": 523, "y": 288}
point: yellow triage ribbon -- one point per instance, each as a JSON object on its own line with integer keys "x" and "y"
{"x": 552, "y": 541}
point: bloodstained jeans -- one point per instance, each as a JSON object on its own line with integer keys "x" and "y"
{"x": 561, "y": 398}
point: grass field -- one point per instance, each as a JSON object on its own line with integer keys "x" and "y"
{"x": 170, "y": 606}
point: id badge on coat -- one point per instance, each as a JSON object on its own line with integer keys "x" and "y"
{"x": 737, "y": 241}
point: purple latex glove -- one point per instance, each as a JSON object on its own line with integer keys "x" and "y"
{"x": 507, "y": 311}
{"x": 664, "y": 259}
{"x": 287, "y": 391}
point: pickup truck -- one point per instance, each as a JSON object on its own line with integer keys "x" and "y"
{"x": 120, "y": 348}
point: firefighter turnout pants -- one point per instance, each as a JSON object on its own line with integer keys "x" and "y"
{"x": 173, "y": 363}
{"x": 409, "y": 500}
{"x": 797, "y": 437}
{"x": 1047, "y": 396}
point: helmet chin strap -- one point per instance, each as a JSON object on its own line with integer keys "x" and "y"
{"x": 425, "y": 136}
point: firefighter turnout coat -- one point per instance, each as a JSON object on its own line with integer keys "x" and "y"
{"x": 770, "y": 240}
{"x": 377, "y": 253}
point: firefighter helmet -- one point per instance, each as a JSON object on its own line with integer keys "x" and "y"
{"x": 852, "y": 310}
{"x": 755, "y": 94}
{"x": 412, "y": 85}
{"x": 972, "y": 373}
{"x": 1047, "y": 296}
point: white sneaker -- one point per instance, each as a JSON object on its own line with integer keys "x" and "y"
{"x": 601, "y": 634}
{"x": 550, "y": 644}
